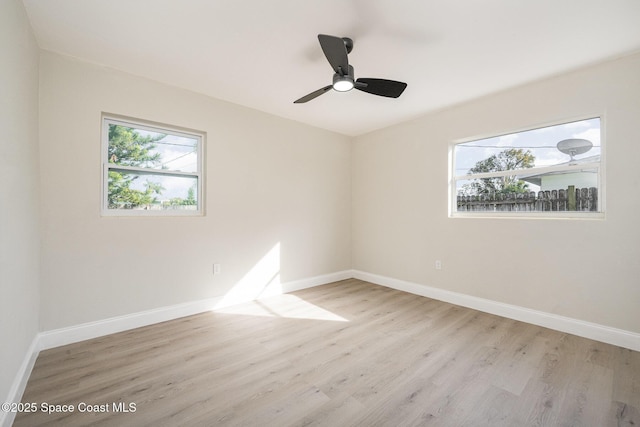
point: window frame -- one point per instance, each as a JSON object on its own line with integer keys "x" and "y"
{"x": 200, "y": 136}
{"x": 598, "y": 166}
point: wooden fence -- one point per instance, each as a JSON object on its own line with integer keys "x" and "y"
{"x": 571, "y": 199}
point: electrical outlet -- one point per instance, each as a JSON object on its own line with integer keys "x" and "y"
{"x": 438, "y": 265}
{"x": 216, "y": 269}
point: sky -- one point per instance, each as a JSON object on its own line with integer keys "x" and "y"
{"x": 542, "y": 142}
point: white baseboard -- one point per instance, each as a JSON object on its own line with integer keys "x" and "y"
{"x": 20, "y": 382}
{"x": 85, "y": 331}
{"x": 69, "y": 335}
{"x": 594, "y": 331}
{"x": 311, "y": 282}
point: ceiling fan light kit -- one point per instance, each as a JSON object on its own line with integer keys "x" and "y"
{"x": 336, "y": 50}
{"x": 343, "y": 83}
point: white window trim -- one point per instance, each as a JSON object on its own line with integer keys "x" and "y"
{"x": 599, "y": 166}
{"x": 107, "y": 119}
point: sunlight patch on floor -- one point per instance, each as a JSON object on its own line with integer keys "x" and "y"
{"x": 250, "y": 295}
{"x": 287, "y": 306}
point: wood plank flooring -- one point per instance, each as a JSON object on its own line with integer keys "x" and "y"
{"x": 345, "y": 354}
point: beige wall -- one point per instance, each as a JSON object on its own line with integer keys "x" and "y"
{"x": 583, "y": 269}
{"x": 269, "y": 181}
{"x": 376, "y": 203}
{"x": 19, "y": 223}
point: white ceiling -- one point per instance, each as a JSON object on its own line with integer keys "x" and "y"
{"x": 265, "y": 54}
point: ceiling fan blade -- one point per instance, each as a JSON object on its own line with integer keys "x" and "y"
{"x": 382, "y": 87}
{"x": 336, "y": 52}
{"x": 313, "y": 95}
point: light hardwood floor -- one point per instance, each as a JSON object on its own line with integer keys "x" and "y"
{"x": 345, "y": 354}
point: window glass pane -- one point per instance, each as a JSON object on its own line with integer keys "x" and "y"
{"x": 532, "y": 148}
{"x": 572, "y": 190}
{"x": 151, "y": 191}
{"x": 130, "y": 146}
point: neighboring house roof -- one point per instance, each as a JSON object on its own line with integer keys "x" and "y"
{"x": 536, "y": 178}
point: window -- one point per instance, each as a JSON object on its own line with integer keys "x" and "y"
{"x": 150, "y": 169}
{"x": 552, "y": 171}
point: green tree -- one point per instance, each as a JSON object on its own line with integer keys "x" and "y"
{"x": 128, "y": 148}
{"x": 509, "y": 159}
{"x": 191, "y": 196}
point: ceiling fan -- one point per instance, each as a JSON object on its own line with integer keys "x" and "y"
{"x": 336, "y": 50}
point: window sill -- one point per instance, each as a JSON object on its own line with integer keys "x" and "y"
{"x": 530, "y": 215}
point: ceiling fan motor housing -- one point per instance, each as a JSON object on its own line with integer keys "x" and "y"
{"x": 348, "y": 44}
